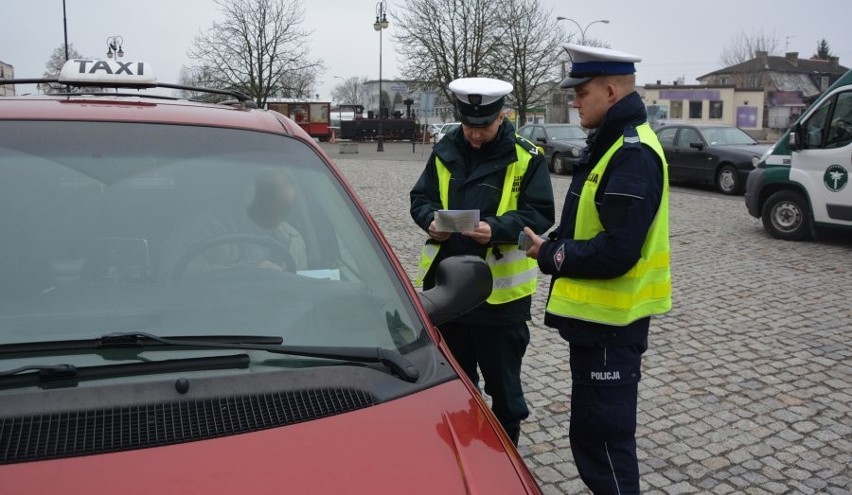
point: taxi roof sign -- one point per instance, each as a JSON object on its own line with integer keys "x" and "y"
{"x": 89, "y": 72}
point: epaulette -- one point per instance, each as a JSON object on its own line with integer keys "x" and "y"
{"x": 631, "y": 137}
{"x": 528, "y": 145}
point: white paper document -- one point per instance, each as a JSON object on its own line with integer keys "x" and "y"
{"x": 456, "y": 220}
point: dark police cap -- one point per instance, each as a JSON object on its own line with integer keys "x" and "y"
{"x": 589, "y": 61}
{"x": 479, "y": 99}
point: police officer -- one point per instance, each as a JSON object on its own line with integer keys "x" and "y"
{"x": 485, "y": 165}
{"x": 609, "y": 262}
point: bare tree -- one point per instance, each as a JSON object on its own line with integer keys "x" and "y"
{"x": 258, "y": 49}
{"x": 348, "y": 92}
{"x": 54, "y": 66}
{"x": 530, "y": 49}
{"x": 442, "y": 40}
{"x": 744, "y": 47}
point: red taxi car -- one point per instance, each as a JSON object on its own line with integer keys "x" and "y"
{"x": 193, "y": 300}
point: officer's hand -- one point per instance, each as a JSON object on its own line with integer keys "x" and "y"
{"x": 481, "y": 234}
{"x": 435, "y": 234}
{"x": 532, "y": 252}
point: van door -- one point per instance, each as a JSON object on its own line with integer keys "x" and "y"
{"x": 825, "y": 160}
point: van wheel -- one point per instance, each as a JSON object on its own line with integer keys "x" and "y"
{"x": 727, "y": 180}
{"x": 785, "y": 216}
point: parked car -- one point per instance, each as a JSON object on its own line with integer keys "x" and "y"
{"x": 563, "y": 144}
{"x": 720, "y": 155}
{"x": 445, "y": 129}
{"x": 432, "y": 130}
{"x": 194, "y": 300}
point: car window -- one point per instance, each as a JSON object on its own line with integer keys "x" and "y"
{"x": 566, "y": 132}
{"x": 840, "y": 132}
{"x": 727, "y": 136}
{"x": 184, "y": 230}
{"x": 688, "y": 136}
{"x": 667, "y": 136}
{"x": 538, "y": 134}
{"x": 816, "y": 126}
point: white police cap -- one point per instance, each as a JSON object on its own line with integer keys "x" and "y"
{"x": 479, "y": 99}
{"x": 590, "y": 61}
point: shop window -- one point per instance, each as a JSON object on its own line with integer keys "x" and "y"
{"x": 715, "y": 109}
{"x": 695, "y": 109}
{"x": 677, "y": 109}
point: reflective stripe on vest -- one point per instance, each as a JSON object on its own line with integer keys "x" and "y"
{"x": 644, "y": 290}
{"x": 515, "y": 275}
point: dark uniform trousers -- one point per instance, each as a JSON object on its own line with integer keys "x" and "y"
{"x": 498, "y": 349}
{"x": 602, "y": 431}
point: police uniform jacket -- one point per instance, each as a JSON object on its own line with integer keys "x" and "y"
{"x": 627, "y": 200}
{"x": 477, "y": 183}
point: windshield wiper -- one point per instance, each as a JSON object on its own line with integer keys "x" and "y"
{"x": 128, "y": 339}
{"x": 70, "y": 375}
{"x": 400, "y": 366}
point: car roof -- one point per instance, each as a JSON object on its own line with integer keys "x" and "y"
{"x": 119, "y": 100}
{"x": 149, "y": 109}
{"x": 700, "y": 125}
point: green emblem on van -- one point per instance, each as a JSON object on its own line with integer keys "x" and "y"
{"x": 835, "y": 178}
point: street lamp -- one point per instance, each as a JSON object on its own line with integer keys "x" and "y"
{"x": 582, "y": 30}
{"x": 114, "y": 46}
{"x": 381, "y": 24}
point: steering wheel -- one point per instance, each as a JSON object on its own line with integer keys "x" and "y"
{"x": 841, "y": 129}
{"x": 277, "y": 249}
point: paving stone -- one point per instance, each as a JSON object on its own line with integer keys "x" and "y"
{"x": 746, "y": 383}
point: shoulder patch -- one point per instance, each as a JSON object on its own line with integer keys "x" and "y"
{"x": 631, "y": 137}
{"x": 527, "y": 145}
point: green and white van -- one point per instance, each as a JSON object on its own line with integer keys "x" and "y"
{"x": 802, "y": 183}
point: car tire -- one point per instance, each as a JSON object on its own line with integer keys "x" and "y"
{"x": 728, "y": 180}
{"x": 558, "y": 165}
{"x": 786, "y": 216}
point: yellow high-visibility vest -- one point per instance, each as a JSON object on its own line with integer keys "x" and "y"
{"x": 644, "y": 290}
{"x": 515, "y": 275}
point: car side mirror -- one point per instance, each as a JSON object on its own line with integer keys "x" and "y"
{"x": 795, "y": 137}
{"x": 461, "y": 284}
{"x": 541, "y": 140}
{"x": 698, "y": 146}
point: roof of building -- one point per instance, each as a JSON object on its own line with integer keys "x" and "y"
{"x": 789, "y": 63}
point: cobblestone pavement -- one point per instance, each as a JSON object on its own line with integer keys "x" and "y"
{"x": 747, "y": 383}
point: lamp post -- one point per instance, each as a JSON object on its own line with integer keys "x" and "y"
{"x": 114, "y": 46}
{"x": 582, "y": 30}
{"x": 380, "y": 24}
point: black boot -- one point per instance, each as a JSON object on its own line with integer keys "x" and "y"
{"x": 514, "y": 433}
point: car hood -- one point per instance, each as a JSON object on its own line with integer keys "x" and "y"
{"x": 436, "y": 441}
{"x": 750, "y": 149}
{"x": 577, "y": 143}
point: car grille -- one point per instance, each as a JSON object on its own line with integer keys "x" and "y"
{"x": 76, "y": 433}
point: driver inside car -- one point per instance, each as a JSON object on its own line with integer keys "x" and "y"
{"x": 255, "y": 234}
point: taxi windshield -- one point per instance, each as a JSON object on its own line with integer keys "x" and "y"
{"x": 186, "y": 230}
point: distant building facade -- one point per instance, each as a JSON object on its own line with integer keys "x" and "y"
{"x": 7, "y": 72}
{"x": 721, "y": 104}
{"x": 789, "y": 84}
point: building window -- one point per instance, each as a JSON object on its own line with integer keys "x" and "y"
{"x": 677, "y": 109}
{"x": 715, "y": 109}
{"x": 695, "y": 109}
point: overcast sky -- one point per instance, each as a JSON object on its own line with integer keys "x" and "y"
{"x": 675, "y": 38}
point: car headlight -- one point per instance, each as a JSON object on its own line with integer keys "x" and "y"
{"x": 575, "y": 152}
{"x": 755, "y": 160}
